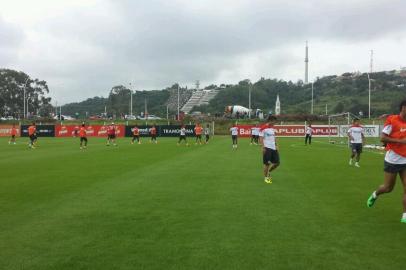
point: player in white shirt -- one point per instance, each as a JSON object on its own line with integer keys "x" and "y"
{"x": 257, "y": 130}
{"x": 207, "y": 134}
{"x": 357, "y": 138}
{"x": 309, "y": 133}
{"x": 234, "y": 135}
{"x": 182, "y": 135}
{"x": 253, "y": 135}
{"x": 270, "y": 152}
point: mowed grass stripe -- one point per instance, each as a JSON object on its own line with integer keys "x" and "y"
{"x": 202, "y": 207}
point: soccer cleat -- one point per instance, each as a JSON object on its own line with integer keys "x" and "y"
{"x": 357, "y": 165}
{"x": 268, "y": 180}
{"x": 403, "y": 220}
{"x": 371, "y": 201}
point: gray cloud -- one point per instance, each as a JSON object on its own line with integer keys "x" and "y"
{"x": 11, "y": 37}
{"x": 154, "y": 43}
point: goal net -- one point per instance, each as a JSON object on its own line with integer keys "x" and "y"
{"x": 341, "y": 122}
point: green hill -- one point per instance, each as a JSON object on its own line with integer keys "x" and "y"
{"x": 347, "y": 92}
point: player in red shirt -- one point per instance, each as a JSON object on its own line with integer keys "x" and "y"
{"x": 394, "y": 136}
{"x": 83, "y": 137}
{"x": 32, "y": 133}
{"x": 13, "y": 135}
{"x": 111, "y": 134}
{"x": 136, "y": 135}
{"x": 153, "y": 132}
{"x": 198, "y": 132}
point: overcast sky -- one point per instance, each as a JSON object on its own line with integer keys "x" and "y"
{"x": 84, "y": 47}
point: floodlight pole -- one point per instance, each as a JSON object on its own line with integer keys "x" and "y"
{"x": 312, "y": 100}
{"x": 249, "y": 99}
{"x": 131, "y": 100}
{"x": 24, "y": 99}
{"x": 167, "y": 113}
{"x": 178, "y": 103}
{"x": 369, "y": 97}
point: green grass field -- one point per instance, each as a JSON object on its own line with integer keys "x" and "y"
{"x": 200, "y": 207}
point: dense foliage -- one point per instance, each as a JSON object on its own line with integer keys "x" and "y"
{"x": 12, "y": 85}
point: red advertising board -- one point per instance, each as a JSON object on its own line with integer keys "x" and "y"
{"x": 91, "y": 131}
{"x": 5, "y": 130}
{"x": 292, "y": 130}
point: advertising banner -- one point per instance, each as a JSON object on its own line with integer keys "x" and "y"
{"x": 162, "y": 131}
{"x": 293, "y": 130}
{"x": 174, "y": 130}
{"x": 144, "y": 131}
{"x": 5, "y": 130}
{"x": 369, "y": 130}
{"x": 66, "y": 131}
{"x": 91, "y": 130}
{"x": 42, "y": 130}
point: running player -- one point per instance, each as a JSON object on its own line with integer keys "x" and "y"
{"x": 32, "y": 133}
{"x": 234, "y": 135}
{"x": 207, "y": 134}
{"x": 257, "y": 130}
{"x": 198, "y": 132}
{"x": 83, "y": 137}
{"x": 270, "y": 152}
{"x": 309, "y": 134}
{"x": 152, "y": 131}
{"x": 357, "y": 138}
{"x": 13, "y": 135}
{"x": 111, "y": 134}
{"x": 182, "y": 135}
{"x": 253, "y": 134}
{"x": 136, "y": 135}
{"x": 76, "y": 131}
{"x": 394, "y": 136}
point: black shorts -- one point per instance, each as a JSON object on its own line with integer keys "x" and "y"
{"x": 182, "y": 137}
{"x": 111, "y": 136}
{"x": 136, "y": 137}
{"x": 393, "y": 168}
{"x": 270, "y": 157}
{"x": 234, "y": 138}
{"x": 153, "y": 137}
{"x": 356, "y": 148}
{"x": 13, "y": 136}
{"x": 199, "y": 137}
{"x": 33, "y": 137}
{"x": 83, "y": 139}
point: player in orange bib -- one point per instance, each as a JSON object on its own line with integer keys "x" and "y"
{"x": 136, "y": 135}
{"x": 394, "y": 136}
{"x": 32, "y": 133}
{"x": 153, "y": 132}
{"x": 13, "y": 135}
{"x": 198, "y": 132}
{"x": 83, "y": 137}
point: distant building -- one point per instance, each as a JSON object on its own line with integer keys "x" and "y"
{"x": 277, "y": 106}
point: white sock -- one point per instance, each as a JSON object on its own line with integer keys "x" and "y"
{"x": 404, "y": 215}
{"x": 374, "y": 195}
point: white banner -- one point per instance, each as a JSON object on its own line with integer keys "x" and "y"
{"x": 369, "y": 130}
